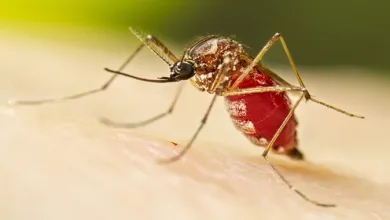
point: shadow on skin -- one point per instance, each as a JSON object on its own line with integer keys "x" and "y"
{"x": 238, "y": 173}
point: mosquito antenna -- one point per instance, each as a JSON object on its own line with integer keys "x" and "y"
{"x": 160, "y": 80}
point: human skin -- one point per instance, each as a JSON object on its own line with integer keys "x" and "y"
{"x": 58, "y": 162}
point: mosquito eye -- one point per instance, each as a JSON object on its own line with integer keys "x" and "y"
{"x": 183, "y": 70}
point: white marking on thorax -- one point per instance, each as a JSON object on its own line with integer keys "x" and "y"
{"x": 236, "y": 108}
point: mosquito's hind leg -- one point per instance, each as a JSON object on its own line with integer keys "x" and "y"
{"x": 276, "y": 171}
{"x": 149, "y": 120}
{"x": 82, "y": 94}
{"x": 281, "y": 81}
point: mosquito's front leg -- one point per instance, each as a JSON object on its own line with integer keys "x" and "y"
{"x": 150, "y": 41}
{"x": 82, "y": 94}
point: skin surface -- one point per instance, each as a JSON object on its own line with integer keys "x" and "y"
{"x": 58, "y": 162}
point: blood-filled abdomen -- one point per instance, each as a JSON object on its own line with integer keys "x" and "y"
{"x": 259, "y": 115}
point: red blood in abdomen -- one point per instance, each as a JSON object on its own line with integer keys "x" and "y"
{"x": 259, "y": 115}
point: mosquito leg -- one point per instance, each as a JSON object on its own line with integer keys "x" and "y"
{"x": 335, "y": 108}
{"x": 260, "y": 56}
{"x": 261, "y": 90}
{"x": 256, "y": 60}
{"x": 155, "y": 45}
{"x": 280, "y": 129}
{"x": 276, "y": 171}
{"x": 300, "y": 81}
{"x": 79, "y": 95}
{"x": 147, "y": 121}
{"x": 221, "y": 73}
{"x": 215, "y": 88}
{"x": 189, "y": 144}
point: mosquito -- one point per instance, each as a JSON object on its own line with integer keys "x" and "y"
{"x": 255, "y": 96}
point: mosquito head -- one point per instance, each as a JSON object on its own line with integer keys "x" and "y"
{"x": 182, "y": 70}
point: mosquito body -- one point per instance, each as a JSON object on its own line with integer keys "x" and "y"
{"x": 255, "y": 96}
{"x": 257, "y": 115}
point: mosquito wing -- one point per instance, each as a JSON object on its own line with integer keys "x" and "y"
{"x": 274, "y": 76}
{"x": 269, "y": 72}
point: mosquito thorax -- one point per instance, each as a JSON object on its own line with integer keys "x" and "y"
{"x": 208, "y": 55}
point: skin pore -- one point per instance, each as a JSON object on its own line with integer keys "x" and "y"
{"x": 59, "y": 162}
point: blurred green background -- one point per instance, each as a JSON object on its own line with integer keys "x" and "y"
{"x": 319, "y": 33}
